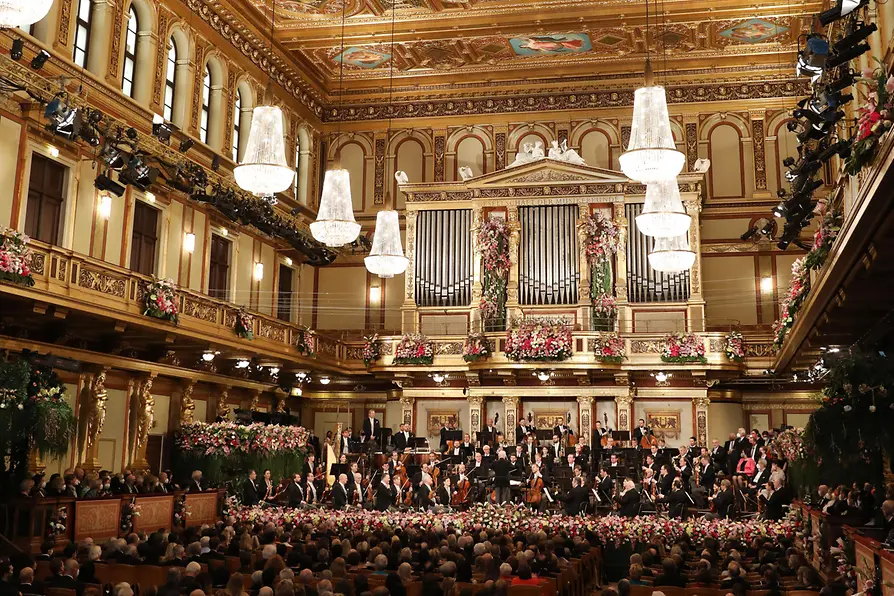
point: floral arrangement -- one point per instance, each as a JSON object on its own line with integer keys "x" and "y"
{"x": 56, "y": 522}
{"x": 306, "y": 344}
{"x": 616, "y": 531}
{"x": 493, "y": 245}
{"x": 228, "y": 438}
{"x": 181, "y": 511}
{"x": 244, "y": 325}
{"x": 372, "y": 348}
{"x": 414, "y": 348}
{"x": 602, "y": 238}
{"x": 790, "y": 444}
{"x": 476, "y": 347}
{"x": 540, "y": 340}
{"x": 609, "y": 347}
{"x": 161, "y": 300}
{"x": 875, "y": 117}
{"x": 230, "y": 506}
{"x": 686, "y": 347}
{"x": 15, "y": 257}
{"x": 605, "y": 306}
{"x": 129, "y": 510}
{"x": 735, "y": 346}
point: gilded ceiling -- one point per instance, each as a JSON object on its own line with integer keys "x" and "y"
{"x": 437, "y": 42}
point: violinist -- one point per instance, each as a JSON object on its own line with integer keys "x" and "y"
{"x": 605, "y": 485}
{"x": 555, "y": 451}
{"x": 424, "y": 493}
{"x": 706, "y": 477}
{"x": 383, "y": 495}
{"x": 341, "y": 495}
{"x": 628, "y": 500}
{"x": 676, "y": 499}
{"x": 310, "y": 490}
{"x": 534, "y": 490}
{"x": 665, "y": 480}
{"x": 310, "y": 464}
{"x": 295, "y": 492}
{"x": 395, "y": 466}
{"x": 723, "y": 501}
{"x": 650, "y": 483}
{"x": 269, "y": 488}
{"x": 516, "y": 466}
{"x": 609, "y": 445}
{"x": 520, "y": 455}
{"x": 652, "y": 464}
{"x": 684, "y": 471}
{"x": 530, "y": 450}
{"x": 355, "y": 487}
{"x": 399, "y": 490}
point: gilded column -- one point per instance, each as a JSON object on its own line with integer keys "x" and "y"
{"x": 511, "y": 415}
{"x": 440, "y": 147}
{"x": 758, "y": 146}
{"x": 696, "y": 317}
{"x": 476, "y": 402}
{"x": 380, "y": 184}
{"x": 625, "y": 320}
{"x": 408, "y": 309}
{"x": 512, "y": 310}
{"x": 701, "y": 419}
{"x": 585, "y": 415}
{"x": 145, "y": 419}
{"x": 625, "y": 409}
{"x": 406, "y": 410}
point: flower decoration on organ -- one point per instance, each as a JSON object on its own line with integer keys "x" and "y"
{"x": 681, "y": 348}
{"x": 414, "y": 348}
{"x": 15, "y": 257}
{"x": 476, "y": 347}
{"x": 539, "y": 340}
{"x": 605, "y": 306}
{"x": 372, "y": 349}
{"x": 609, "y": 347}
{"x": 734, "y": 345}
{"x": 227, "y": 438}
{"x": 493, "y": 245}
{"x": 244, "y": 325}
{"x": 602, "y": 237}
{"x": 161, "y": 300}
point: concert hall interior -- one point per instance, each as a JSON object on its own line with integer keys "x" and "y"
{"x": 446, "y": 297}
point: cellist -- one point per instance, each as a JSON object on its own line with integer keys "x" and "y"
{"x": 534, "y": 490}
{"x": 463, "y": 486}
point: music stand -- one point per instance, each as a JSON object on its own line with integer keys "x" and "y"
{"x": 337, "y": 469}
{"x": 417, "y": 443}
{"x": 384, "y": 438}
{"x": 453, "y": 435}
{"x": 621, "y": 435}
{"x": 485, "y": 437}
{"x": 544, "y": 434}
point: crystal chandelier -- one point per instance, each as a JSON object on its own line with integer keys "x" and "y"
{"x": 663, "y": 214}
{"x": 386, "y": 259}
{"x": 335, "y": 225}
{"x": 22, "y": 13}
{"x": 651, "y": 154}
{"x": 672, "y": 254}
{"x": 264, "y": 170}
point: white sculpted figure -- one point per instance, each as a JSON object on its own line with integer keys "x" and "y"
{"x": 563, "y": 153}
{"x": 465, "y": 173}
{"x": 529, "y": 153}
{"x": 401, "y": 177}
{"x": 537, "y": 152}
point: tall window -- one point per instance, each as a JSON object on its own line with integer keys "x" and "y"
{"x": 297, "y": 165}
{"x": 206, "y": 105}
{"x": 170, "y": 82}
{"x": 284, "y": 294}
{"x": 82, "y": 33}
{"x": 130, "y": 52}
{"x": 45, "y": 196}
{"x": 144, "y": 241}
{"x": 237, "y": 129}
{"x": 219, "y": 269}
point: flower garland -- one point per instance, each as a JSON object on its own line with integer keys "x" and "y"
{"x": 227, "y": 438}
{"x": 372, "y": 349}
{"x": 129, "y": 510}
{"x": 602, "y": 238}
{"x": 306, "y": 343}
{"x": 476, "y": 347}
{"x": 493, "y": 245}
{"x": 875, "y": 117}
{"x": 539, "y": 340}
{"x": 617, "y": 531}
{"x": 681, "y": 348}
{"x": 244, "y": 325}
{"x": 735, "y": 346}
{"x": 56, "y": 522}
{"x": 161, "y": 300}
{"x": 609, "y": 347}
{"x": 15, "y": 257}
{"x": 414, "y": 348}
{"x": 181, "y": 511}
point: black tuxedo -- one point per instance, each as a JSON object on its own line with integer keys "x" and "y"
{"x": 723, "y": 503}
{"x": 575, "y": 500}
{"x": 372, "y": 428}
{"x": 665, "y": 484}
{"x": 250, "y": 493}
{"x": 501, "y": 469}
{"x": 775, "y": 503}
{"x": 345, "y": 444}
{"x": 294, "y": 494}
{"x": 606, "y": 487}
{"x": 677, "y": 501}
{"x": 557, "y": 430}
{"x": 479, "y": 473}
{"x": 629, "y": 503}
{"x": 340, "y": 496}
{"x": 685, "y": 475}
{"x": 310, "y": 493}
{"x": 762, "y": 478}
{"x": 638, "y": 433}
{"x": 707, "y": 474}
{"x": 443, "y": 444}
{"x": 402, "y": 439}
{"x": 554, "y": 451}
{"x": 443, "y": 496}
{"x": 384, "y": 497}
{"x": 422, "y": 496}
{"x": 718, "y": 456}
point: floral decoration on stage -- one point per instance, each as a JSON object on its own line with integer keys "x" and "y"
{"x": 15, "y": 257}
{"x": 181, "y": 511}
{"x": 683, "y": 347}
{"x": 799, "y": 287}
{"x": 476, "y": 347}
{"x": 161, "y": 300}
{"x": 735, "y": 346}
{"x": 228, "y": 438}
{"x": 493, "y": 245}
{"x": 306, "y": 343}
{"x": 790, "y": 444}
{"x": 617, "y": 531}
{"x": 372, "y": 348}
{"x": 539, "y": 340}
{"x": 244, "y": 325}
{"x": 875, "y": 117}
{"x": 609, "y": 347}
{"x": 129, "y": 510}
{"x": 602, "y": 238}
{"x": 414, "y": 348}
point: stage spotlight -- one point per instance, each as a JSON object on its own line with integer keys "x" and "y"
{"x": 18, "y": 49}
{"x": 186, "y": 145}
{"x": 103, "y": 182}
{"x": 40, "y": 59}
{"x": 841, "y": 9}
{"x": 131, "y": 133}
{"x": 161, "y": 129}
{"x": 768, "y": 228}
{"x": 138, "y": 173}
{"x": 749, "y": 233}
{"x": 215, "y": 163}
{"x": 860, "y": 32}
{"x": 67, "y": 126}
{"x": 812, "y": 59}
{"x": 114, "y": 158}
{"x": 847, "y": 55}
{"x": 838, "y": 148}
{"x": 781, "y": 209}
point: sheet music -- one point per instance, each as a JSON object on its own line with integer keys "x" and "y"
{"x": 595, "y": 494}
{"x": 548, "y": 496}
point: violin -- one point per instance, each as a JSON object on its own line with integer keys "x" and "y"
{"x": 534, "y": 492}
{"x": 435, "y": 475}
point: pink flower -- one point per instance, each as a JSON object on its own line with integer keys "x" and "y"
{"x": 867, "y": 73}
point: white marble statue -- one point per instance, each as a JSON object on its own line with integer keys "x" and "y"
{"x": 465, "y": 173}
{"x": 563, "y": 153}
{"x": 529, "y": 153}
{"x": 401, "y": 177}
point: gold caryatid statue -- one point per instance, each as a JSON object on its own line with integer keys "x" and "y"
{"x": 96, "y": 418}
{"x": 223, "y": 408}
{"x": 145, "y": 412}
{"x": 187, "y": 405}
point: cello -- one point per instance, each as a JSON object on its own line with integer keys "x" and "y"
{"x": 534, "y": 491}
{"x": 461, "y": 496}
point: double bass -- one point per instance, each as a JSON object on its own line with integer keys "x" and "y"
{"x": 604, "y": 440}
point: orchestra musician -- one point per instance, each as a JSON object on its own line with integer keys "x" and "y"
{"x": 562, "y": 429}
{"x": 468, "y": 449}
{"x": 340, "y": 495}
{"x": 665, "y": 480}
{"x": 628, "y": 500}
{"x": 395, "y": 466}
{"x": 444, "y": 494}
{"x": 555, "y": 450}
{"x": 676, "y": 499}
{"x": 402, "y": 438}
{"x": 423, "y": 496}
{"x": 530, "y": 449}
{"x": 345, "y": 440}
{"x": 640, "y": 431}
{"x": 448, "y": 426}
{"x": 585, "y": 450}
{"x": 706, "y": 476}
{"x": 501, "y": 469}
{"x": 309, "y": 465}
{"x": 486, "y": 455}
{"x": 576, "y": 498}
{"x": 310, "y": 490}
{"x": 372, "y": 428}
{"x": 599, "y": 433}
{"x": 398, "y": 490}
{"x": 606, "y": 485}
{"x": 684, "y": 471}
{"x": 544, "y": 470}
{"x": 269, "y": 487}
{"x": 534, "y": 490}
{"x": 723, "y": 500}
{"x": 479, "y": 470}
{"x": 384, "y": 496}
{"x": 250, "y": 496}
{"x": 294, "y": 492}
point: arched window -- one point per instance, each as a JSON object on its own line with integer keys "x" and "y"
{"x": 206, "y": 105}
{"x": 237, "y": 115}
{"x": 170, "y": 82}
{"x": 297, "y": 165}
{"x": 82, "y": 33}
{"x": 130, "y": 52}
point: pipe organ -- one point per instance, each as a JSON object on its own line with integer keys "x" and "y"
{"x": 443, "y": 268}
{"x": 549, "y": 260}
{"x": 644, "y": 284}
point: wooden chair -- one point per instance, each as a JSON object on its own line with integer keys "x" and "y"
{"x": 60, "y": 592}
{"x": 43, "y": 570}
{"x": 413, "y": 588}
{"x": 641, "y": 590}
{"x": 117, "y": 573}
{"x": 233, "y": 564}
{"x": 700, "y": 591}
{"x": 758, "y": 592}
{"x": 150, "y": 575}
{"x": 670, "y": 590}
{"x": 802, "y": 593}
{"x": 525, "y": 591}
